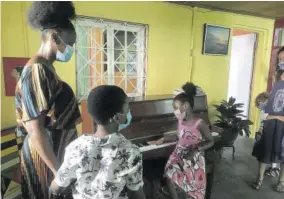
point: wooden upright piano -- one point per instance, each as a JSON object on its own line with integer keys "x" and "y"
{"x": 152, "y": 117}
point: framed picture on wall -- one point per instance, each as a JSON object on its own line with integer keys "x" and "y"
{"x": 12, "y": 68}
{"x": 216, "y": 40}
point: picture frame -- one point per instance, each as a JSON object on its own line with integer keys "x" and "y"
{"x": 9, "y": 64}
{"x": 216, "y": 40}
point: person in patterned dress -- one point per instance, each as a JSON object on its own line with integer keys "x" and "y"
{"x": 186, "y": 165}
{"x": 103, "y": 164}
{"x": 45, "y": 105}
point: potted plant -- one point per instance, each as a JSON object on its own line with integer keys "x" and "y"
{"x": 230, "y": 119}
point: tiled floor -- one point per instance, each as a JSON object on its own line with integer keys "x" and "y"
{"x": 233, "y": 177}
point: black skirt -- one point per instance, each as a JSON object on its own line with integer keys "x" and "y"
{"x": 269, "y": 149}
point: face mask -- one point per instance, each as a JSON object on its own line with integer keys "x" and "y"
{"x": 128, "y": 120}
{"x": 281, "y": 65}
{"x": 262, "y": 106}
{"x": 179, "y": 115}
{"x": 66, "y": 56}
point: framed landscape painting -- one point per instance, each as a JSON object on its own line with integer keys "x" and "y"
{"x": 216, "y": 40}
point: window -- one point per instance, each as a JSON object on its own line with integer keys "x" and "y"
{"x": 112, "y": 53}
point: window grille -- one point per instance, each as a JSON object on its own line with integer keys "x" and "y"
{"x": 109, "y": 52}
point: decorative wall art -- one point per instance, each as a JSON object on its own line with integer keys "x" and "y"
{"x": 10, "y": 75}
{"x": 216, "y": 40}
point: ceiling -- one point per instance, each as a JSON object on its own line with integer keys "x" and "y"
{"x": 267, "y": 9}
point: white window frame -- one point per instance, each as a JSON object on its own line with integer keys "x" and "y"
{"x": 141, "y": 56}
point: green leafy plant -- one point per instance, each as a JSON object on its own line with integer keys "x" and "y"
{"x": 230, "y": 118}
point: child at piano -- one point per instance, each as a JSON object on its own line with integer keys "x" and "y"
{"x": 103, "y": 164}
{"x": 186, "y": 165}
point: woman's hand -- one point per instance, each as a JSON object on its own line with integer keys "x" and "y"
{"x": 190, "y": 153}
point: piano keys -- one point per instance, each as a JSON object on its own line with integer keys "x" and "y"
{"x": 152, "y": 117}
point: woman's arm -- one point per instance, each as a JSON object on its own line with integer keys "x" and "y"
{"x": 270, "y": 117}
{"x": 41, "y": 143}
{"x": 209, "y": 140}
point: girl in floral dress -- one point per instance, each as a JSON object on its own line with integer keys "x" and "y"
{"x": 186, "y": 165}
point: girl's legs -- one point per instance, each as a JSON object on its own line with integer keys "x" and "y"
{"x": 172, "y": 189}
{"x": 280, "y": 185}
{"x": 261, "y": 170}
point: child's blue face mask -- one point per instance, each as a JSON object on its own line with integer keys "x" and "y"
{"x": 128, "y": 120}
{"x": 262, "y": 106}
{"x": 281, "y": 65}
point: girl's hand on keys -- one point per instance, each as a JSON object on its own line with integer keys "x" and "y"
{"x": 160, "y": 141}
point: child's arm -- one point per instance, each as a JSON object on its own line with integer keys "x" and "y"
{"x": 67, "y": 171}
{"x": 134, "y": 180}
{"x": 168, "y": 138}
{"x": 209, "y": 140}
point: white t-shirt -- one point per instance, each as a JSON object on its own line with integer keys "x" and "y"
{"x": 102, "y": 167}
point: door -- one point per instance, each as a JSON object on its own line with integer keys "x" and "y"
{"x": 241, "y": 69}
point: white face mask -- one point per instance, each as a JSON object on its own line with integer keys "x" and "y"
{"x": 179, "y": 115}
{"x": 281, "y": 65}
{"x": 66, "y": 56}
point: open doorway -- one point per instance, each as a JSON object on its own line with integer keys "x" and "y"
{"x": 241, "y": 67}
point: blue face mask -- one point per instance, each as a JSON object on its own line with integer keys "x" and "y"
{"x": 66, "y": 56}
{"x": 281, "y": 65}
{"x": 128, "y": 118}
{"x": 262, "y": 106}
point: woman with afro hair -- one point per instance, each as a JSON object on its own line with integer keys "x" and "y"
{"x": 45, "y": 104}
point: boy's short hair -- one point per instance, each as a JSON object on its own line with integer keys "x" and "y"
{"x": 104, "y": 102}
{"x": 261, "y": 98}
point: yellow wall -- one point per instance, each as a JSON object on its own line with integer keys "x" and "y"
{"x": 211, "y": 72}
{"x": 169, "y": 33}
{"x": 170, "y": 40}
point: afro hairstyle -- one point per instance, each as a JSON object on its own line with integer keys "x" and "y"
{"x": 51, "y": 15}
{"x": 104, "y": 102}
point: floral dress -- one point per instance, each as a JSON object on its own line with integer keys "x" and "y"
{"x": 188, "y": 174}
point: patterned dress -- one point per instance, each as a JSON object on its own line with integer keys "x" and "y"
{"x": 188, "y": 174}
{"x": 101, "y": 167}
{"x": 39, "y": 91}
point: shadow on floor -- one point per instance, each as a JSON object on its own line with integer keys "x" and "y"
{"x": 233, "y": 177}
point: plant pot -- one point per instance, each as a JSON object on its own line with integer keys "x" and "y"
{"x": 228, "y": 137}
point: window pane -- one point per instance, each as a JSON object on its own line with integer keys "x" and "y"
{"x": 107, "y": 53}
{"x": 119, "y": 40}
{"x": 132, "y": 40}
{"x": 119, "y": 56}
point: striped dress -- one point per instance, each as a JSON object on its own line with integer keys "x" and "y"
{"x": 40, "y": 90}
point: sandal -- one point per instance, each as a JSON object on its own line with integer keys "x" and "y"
{"x": 257, "y": 184}
{"x": 280, "y": 187}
